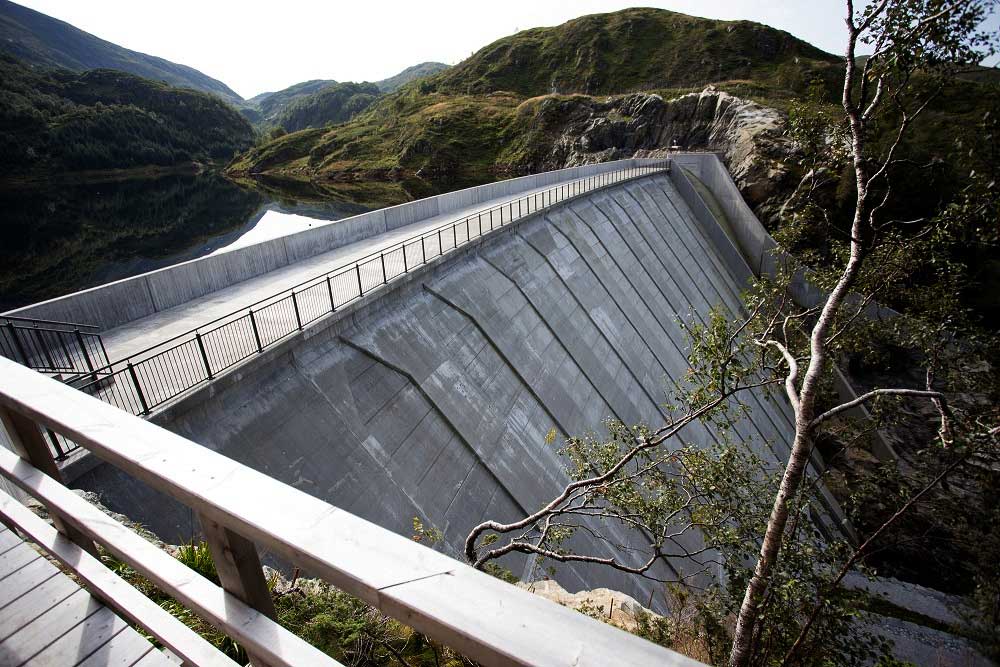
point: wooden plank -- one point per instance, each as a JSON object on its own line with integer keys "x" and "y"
{"x": 34, "y": 637}
{"x": 8, "y": 540}
{"x": 25, "y": 579}
{"x": 35, "y": 603}
{"x": 132, "y": 604}
{"x": 363, "y": 559}
{"x": 82, "y": 639}
{"x": 231, "y": 615}
{"x": 15, "y": 559}
{"x": 124, "y": 649}
{"x": 155, "y": 659}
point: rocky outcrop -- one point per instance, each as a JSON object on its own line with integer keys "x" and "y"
{"x": 750, "y": 137}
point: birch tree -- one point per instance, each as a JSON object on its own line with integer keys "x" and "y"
{"x": 688, "y": 506}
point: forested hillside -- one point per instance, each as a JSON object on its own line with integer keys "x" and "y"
{"x": 333, "y": 104}
{"x": 54, "y": 120}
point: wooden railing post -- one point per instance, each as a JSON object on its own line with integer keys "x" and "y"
{"x": 239, "y": 570}
{"x": 29, "y": 444}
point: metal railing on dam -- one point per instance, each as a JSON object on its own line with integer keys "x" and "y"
{"x": 52, "y": 346}
{"x": 148, "y": 379}
{"x": 241, "y": 511}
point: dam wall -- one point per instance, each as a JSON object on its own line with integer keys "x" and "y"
{"x": 446, "y": 395}
{"x": 117, "y": 303}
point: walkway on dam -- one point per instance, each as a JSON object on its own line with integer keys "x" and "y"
{"x": 141, "y": 334}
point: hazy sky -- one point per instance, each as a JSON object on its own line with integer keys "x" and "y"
{"x": 255, "y": 46}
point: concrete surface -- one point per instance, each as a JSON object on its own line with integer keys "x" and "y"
{"x": 117, "y": 303}
{"x": 433, "y": 398}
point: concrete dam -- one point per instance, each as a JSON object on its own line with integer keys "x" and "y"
{"x": 436, "y": 396}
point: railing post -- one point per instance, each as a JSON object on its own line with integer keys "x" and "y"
{"x": 357, "y": 270}
{"x": 28, "y": 442}
{"x": 256, "y": 334}
{"x": 454, "y": 236}
{"x": 295, "y": 307}
{"x": 138, "y": 387}
{"x": 329, "y": 289}
{"x": 239, "y": 570}
{"x": 406, "y": 268}
{"x": 385, "y": 278}
{"x": 204, "y": 354}
{"x": 40, "y": 342}
{"x": 423, "y": 250}
{"x": 17, "y": 343}
{"x": 55, "y": 444}
{"x": 83, "y": 348}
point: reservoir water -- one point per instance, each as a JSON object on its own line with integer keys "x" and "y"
{"x": 60, "y": 239}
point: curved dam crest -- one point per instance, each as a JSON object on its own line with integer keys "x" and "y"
{"x": 434, "y": 400}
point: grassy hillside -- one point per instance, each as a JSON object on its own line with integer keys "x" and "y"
{"x": 333, "y": 104}
{"x": 38, "y": 39}
{"x": 421, "y": 71}
{"x": 481, "y": 117}
{"x": 57, "y": 120}
{"x": 634, "y": 49}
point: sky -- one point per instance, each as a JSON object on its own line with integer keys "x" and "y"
{"x": 255, "y": 46}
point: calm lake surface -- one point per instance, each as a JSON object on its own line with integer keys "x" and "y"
{"x": 58, "y": 240}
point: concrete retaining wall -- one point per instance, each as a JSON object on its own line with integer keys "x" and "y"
{"x": 116, "y": 303}
{"x": 434, "y": 398}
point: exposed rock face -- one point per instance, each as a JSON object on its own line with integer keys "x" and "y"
{"x": 748, "y": 135}
{"x": 616, "y": 608}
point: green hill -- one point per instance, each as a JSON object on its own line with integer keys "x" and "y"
{"x": 57, "y": 120}
{"x": 333, "y": 104}
{"x": 485, "y": 116}
{"x": 421, "y": 71}
{"x": 263, "y": 109}
{"x": 38, "y": 39}
{"x": 630, "y": 50}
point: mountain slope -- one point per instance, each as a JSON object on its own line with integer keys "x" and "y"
{"x": 269, "y": 105}
{"x": 333, "y": 104}
{"x": 38, "y": 39}
{"x": 411, "y": 73}
{"x": 628, "y": 50}
{"x": 483, "y": 117}
{"x": 57, "y": 120}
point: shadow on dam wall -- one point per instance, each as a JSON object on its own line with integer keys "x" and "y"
{"x": 434, "y": 399}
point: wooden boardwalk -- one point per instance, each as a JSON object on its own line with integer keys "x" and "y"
{"x": 47, "y": 619}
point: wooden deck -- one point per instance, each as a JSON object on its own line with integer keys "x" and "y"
{"x": 47, "y": 619}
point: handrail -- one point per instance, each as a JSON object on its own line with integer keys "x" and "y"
{"x": 145, "y": 380}
{"x": 40, "y": 321}
{"x": 52, "y": 347}
{"x": 480, "y": 616}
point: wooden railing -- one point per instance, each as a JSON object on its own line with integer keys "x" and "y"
{"x": 242, "y": 510}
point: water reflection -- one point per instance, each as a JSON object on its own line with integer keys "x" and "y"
{"x": 58, "y": 240}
